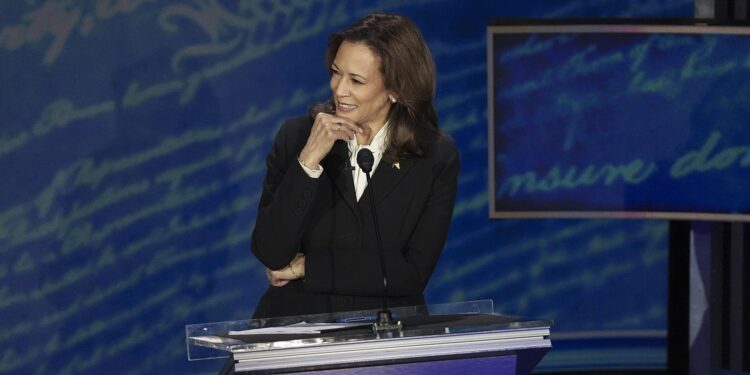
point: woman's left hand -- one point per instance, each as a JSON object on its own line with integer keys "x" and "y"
{"x": 295, "y": 270}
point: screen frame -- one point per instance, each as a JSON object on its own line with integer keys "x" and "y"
{"x": 672, "y": 26}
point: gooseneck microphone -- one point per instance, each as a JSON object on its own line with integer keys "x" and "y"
{"x": 385, "y": 322}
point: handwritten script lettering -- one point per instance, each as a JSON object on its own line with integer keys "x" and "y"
{"x": 706, "y": 158}
{"x": 572, "y": 177}
{"x": 58, "y": 20}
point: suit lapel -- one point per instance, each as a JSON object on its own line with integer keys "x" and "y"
{"x": 336, "y": 165}
{"x": 384, "y": 180}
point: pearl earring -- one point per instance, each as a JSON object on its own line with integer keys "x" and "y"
{"x": 393, "y": 100}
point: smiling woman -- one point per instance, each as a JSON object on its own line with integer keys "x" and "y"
{"x": 313, "y": 232}
{"x": 357, "y": 86}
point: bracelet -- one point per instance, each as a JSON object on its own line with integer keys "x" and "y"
{"x": 305, "y": 165}
{"x": 291, "y": 269}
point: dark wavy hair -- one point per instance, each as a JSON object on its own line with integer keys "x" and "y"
{"x": 408, "y": 71}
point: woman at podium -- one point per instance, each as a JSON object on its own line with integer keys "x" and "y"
{"x": 315, "y": 230}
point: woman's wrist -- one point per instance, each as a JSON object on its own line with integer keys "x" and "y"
{"x": 309, "y": 165}
{"x": 294, "y": 273}
{"x": 309, "y": 161}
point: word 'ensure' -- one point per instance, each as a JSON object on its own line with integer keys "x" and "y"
{"x": 634, "y": 172}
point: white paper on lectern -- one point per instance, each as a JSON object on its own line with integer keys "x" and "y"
{"x": 297, "y": 328}
{"x": 212, "y": 339}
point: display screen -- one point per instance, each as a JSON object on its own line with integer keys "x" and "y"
{"x": 619, "y": 120}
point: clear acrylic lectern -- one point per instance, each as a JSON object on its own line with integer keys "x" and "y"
{"x": 447, "y": 338}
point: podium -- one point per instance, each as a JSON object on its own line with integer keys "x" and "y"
{"x": 465, "y": 337}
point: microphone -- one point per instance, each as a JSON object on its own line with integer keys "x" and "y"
{"x": 365, "y": 160}
{"x": 385, "y": 322}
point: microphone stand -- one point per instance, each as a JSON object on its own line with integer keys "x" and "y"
{"x": 385, "y": 322}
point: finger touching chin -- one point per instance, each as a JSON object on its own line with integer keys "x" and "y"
{"x": 345, "y": 116}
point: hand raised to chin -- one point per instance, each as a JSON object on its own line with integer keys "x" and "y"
{"x": 326, "y": 130}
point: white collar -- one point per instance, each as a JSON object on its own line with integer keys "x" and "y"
{"x": 377, "y": 145}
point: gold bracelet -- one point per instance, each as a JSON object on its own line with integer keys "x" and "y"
{"x": 291, "y": 269}
{"x": 305, "y": 164}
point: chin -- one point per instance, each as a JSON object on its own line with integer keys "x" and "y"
{"x": 347, "y": 116}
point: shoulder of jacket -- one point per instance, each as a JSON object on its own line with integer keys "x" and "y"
{"x": 297, "y": 124}
{"x": 294, "y": 130}
{"x": 442, "y": 147}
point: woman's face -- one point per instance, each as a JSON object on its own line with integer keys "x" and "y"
{"x": 357, "y": 85}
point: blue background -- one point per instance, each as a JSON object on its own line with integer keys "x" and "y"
{"x": 133, "y": 136}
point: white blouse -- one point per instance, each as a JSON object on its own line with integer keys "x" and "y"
{"x": 377, "y": 146}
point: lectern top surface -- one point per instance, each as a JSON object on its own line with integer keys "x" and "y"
{"x": 419, "y": 323}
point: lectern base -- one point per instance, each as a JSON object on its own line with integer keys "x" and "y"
{"x": 505, "y": 365}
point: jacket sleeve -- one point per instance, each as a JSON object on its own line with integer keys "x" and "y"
{"x": 286, "y": 200}
{"x": 412, "y": 270}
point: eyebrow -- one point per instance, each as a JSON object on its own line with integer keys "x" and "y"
{"x": 354, "y": 74}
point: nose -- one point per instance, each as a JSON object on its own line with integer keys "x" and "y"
{"x": 340, "y": 87}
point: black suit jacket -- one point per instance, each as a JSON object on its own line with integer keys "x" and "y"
{"x": 322, "y": 218}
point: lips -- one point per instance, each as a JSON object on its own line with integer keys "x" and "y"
{"x": 343, "y": 107}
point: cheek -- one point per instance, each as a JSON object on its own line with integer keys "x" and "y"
{"x": 367, "y": 97}
{"x": 332, "y": 84}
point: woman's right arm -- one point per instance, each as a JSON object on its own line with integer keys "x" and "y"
{"x": 288, "y": 191}
{"x": 286, "y": 199}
